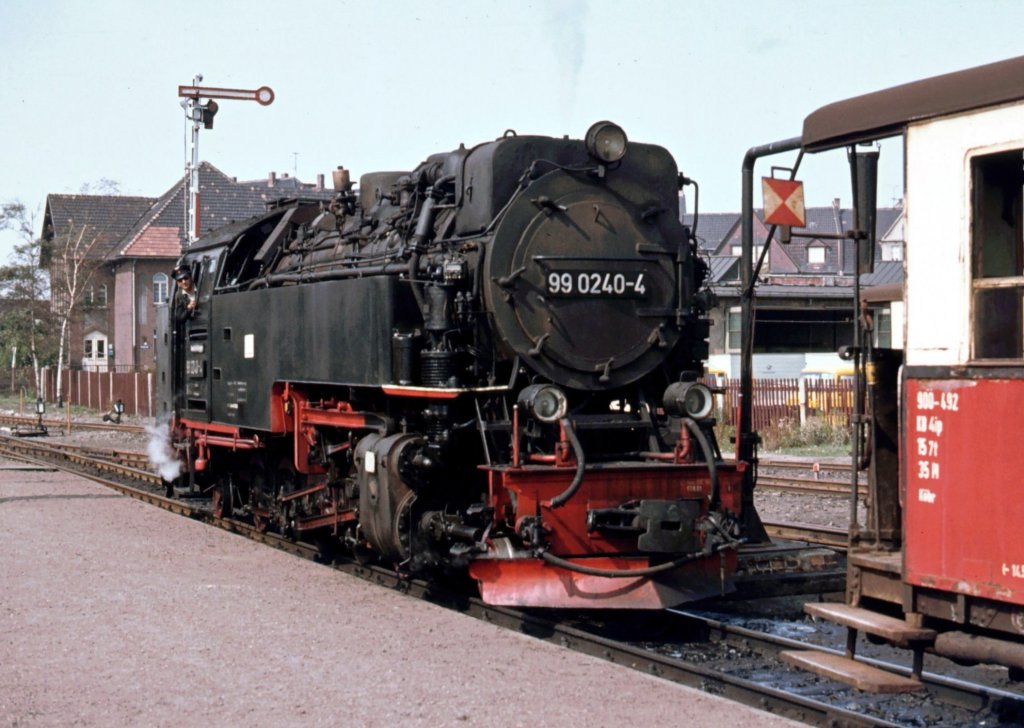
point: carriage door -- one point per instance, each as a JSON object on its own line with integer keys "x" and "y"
{"x": 196, "y": 340}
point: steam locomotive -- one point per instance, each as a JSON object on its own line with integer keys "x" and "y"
{"x": 487, "y": 364}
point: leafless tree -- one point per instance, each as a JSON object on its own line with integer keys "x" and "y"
{"x": 25, "y": 283}
{"x": 71, "y": 270}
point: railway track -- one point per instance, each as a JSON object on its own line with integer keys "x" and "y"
{"x": 62, "y": 424}
{"x": 806, "y": 476}
{"x": 830, "y": 536}
{"x": 963, "y": 701}
{"x": 120, "y": 471}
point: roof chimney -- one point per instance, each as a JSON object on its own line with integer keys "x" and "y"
{"x": 837, "y": 215}
{"x": 320, "y": 181}
{"x": 342, "y": 179}
{"x": 272, "y": 179}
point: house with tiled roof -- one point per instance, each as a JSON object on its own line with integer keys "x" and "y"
{"x": 139, "y": 252}
{"x": 93, "y": 225}
{"x": 805, "y": 288}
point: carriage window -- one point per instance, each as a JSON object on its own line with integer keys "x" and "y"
{"x": 997, "y": 258}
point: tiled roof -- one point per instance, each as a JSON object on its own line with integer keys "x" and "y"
{"x": 885, "y": 273}
{"x": 222, "y": 200}
{"x": 107, "y": 217}
{"x": 156, "y": 241}
{"x": 723, "y": 268}
{"x": 732, "y": 290}
{"x": 712, "y": 228}
{"x": 824, "y": 220}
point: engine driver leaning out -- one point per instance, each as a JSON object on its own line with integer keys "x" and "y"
{"x": 186, "y": 296}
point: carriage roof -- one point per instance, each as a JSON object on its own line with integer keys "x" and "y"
{"x": 886, "y": 113}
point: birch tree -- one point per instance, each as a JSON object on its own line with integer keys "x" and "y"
{"x": 72, "y": 269}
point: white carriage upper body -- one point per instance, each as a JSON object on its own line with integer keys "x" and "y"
{"x": 942, "y": 215}
{"x": 964, "y": 206}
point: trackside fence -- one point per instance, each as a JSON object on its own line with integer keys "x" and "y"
{"x": 99, "y": 390}
{"x": 787, "y": 400}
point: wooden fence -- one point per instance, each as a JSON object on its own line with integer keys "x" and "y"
{"x": 99, "y": 390}
{"x": 793, "y": 400}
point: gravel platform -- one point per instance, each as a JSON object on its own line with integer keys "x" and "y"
{"x": 116, "y": 613}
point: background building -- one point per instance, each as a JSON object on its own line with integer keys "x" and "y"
{"x": 131, "y": 244}
{"x": 804, "y": 310}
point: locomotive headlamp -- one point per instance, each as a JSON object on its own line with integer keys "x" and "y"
{"x": 546, "y": 402}
{"x": 688, "y": 399}
{"x": 606, "y": 142}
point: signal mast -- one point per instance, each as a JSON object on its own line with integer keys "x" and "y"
{"x": 201, "y": 113}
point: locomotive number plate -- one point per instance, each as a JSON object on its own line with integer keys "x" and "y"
{"x": 596, "y": 284}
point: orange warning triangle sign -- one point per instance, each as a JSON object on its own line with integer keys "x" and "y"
{"x": 783, "y": 202}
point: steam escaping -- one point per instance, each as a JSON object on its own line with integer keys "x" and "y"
{"x": 564, "y": 22}
{"x": 161, "y": 455}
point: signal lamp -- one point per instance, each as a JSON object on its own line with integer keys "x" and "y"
{"x": 545, "y": 402}
{"x": 606, "y": 142}
{"x": 207, "y": 112}
{"x": 688, "y": 399}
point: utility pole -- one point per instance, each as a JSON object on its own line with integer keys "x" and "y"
{"x": 201, "y": 113}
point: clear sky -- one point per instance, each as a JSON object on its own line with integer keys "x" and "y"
{"x": 88, "y": 90}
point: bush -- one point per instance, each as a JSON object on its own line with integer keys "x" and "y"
{"x": 819, "y": 432}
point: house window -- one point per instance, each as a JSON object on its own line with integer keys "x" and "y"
{"x": 883, "y": 328}
{"x": 160, "y": 288}
{"x": 88, "y": 348}
{"x": 997, "y": 255}
{"x": 88, "y": 296}
{"x": 737, "y": 251}
{"x": 734, "y": 334}
{"x": 101, "y": 296}
{"x": 892, "y": 251}
{"x": 816, "y": 255}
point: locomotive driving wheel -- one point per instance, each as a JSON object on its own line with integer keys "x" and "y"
{"x": 283, "y": 512}
{"x": 259, "y": 494}
{"x": 222, "y": 499}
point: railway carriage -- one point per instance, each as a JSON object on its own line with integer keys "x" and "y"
{"x": 487, "y": 365}
{"x": 941, "y": 422}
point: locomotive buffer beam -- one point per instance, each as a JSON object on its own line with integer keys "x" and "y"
{"x": 661, "y": 526}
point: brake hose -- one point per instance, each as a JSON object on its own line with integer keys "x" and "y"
{"x": 709, "y": 458}
{"x": 622, "y": 573}
{"x": 581, "y": 464}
